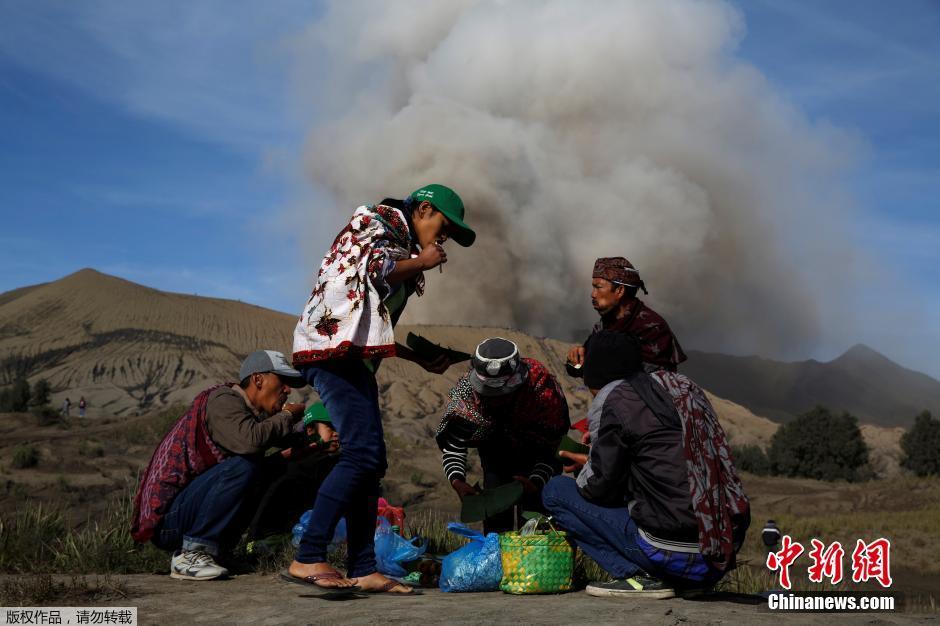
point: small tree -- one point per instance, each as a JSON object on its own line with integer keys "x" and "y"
{"x": 820, "y": 445}
{"x": 41, "y": 393}
{"x": 751, "y": 458}
{"x": 921, "y": 446}
{"x": 16, "y": 397}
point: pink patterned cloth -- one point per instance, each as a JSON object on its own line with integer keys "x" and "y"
{"x": 718, "y": 499}
{"x": 185, "y": 452}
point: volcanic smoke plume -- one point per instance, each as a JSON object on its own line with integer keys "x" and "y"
{"x": 577, "y": 129}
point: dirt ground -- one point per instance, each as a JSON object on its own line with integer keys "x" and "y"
{"x": 264, "y": 599}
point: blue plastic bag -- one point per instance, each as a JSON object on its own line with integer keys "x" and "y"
{"x": 391, "y": 550}
{"x": 476, "y": 566}
{"x": 339, "y": 535}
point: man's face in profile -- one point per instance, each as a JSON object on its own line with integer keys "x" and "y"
{"x": 605, "y": 295}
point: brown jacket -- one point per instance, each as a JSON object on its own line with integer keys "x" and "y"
{"x": 239, "y": 428}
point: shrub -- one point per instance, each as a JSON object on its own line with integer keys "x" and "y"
{"x": 921, "y": 446}
{"x": 47, "y": 416}
{"x": 41, "y": 392}
{"x": 820, "y": 445}
{"x": 25, "y": 457}
{"x": 751, "y": 458}
{"x": 16, "y": 398}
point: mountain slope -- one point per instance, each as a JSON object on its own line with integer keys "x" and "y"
{"x": 124, "y": 346}
{"x": 861, "y": 381}
{"x": 131, "y": 350}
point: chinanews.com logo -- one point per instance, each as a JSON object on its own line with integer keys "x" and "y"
{"x": 869, "y": 561}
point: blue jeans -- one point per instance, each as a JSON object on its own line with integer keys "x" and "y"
{"x": 349, "y": 392}
{"x": 609, "y": 536}
{"x": 204, "y": 516}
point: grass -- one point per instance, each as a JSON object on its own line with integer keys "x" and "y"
{"x": 432, "y": 525}
{"x": 37, "y": 539}
{"x": 25, "y": 456}
{"x": 151, "y": 429}
{"x": 91, "y": 449}
{"x": 912, "y": 533}
{"x": 37, "y": 542}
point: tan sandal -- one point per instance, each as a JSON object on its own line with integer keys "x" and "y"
{"x": 312, "y": 581}
{"x": 387, "y": 588}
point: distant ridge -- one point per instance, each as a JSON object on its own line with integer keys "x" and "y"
{"x": 861, "y": 381}
{"x": 130, "y": 348}
{"x": 125, "y": 346}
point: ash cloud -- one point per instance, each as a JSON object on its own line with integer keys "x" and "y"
{"x": 581, "y": 129}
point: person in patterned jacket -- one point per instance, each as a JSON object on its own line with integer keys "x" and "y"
{"x": 614, "y": 285}
{"x": 514, "y": 412}
{"x": 209, "y": 475}
{"x": 374, "y": 266}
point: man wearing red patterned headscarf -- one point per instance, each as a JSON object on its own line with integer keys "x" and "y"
{"x": 614, "y": 285}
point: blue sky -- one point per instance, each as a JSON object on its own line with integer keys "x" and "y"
{"x": 161, "y": 142}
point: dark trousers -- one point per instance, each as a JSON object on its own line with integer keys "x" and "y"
{"x": 609, "y": 536}
{"x": 500, "y": 464}
{"x": 287, "y": 489}
{"x": 351, "y": 397}
{"x": 266, "y": 495}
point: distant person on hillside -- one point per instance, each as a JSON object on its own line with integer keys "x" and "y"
{"x": 209, "y": 476}
{"x": 512, "y": 410}
{"x": 66, "y": 407}
{"x": 81, "y": 406}
{"x": 657, "y": 501}
{"x": 614, "y": 286}
{"x": 346, "y": 327}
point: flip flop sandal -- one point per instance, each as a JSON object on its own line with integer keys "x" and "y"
{"x": 387, "y": 590}
{"x": 311, "y": 582}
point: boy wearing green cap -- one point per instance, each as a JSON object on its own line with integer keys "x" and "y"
{"x": 347, "y": 326}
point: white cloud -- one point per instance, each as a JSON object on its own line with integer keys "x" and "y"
{"x": 215, "y": 68}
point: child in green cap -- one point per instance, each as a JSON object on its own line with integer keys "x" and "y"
{"x": 347, "y": 326}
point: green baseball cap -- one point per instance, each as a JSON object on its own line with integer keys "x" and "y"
{"x": 316, "y": 412}
{"x": 446, "y": 200}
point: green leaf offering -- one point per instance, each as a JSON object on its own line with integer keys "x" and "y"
{"x": 430, "y": 350}
{"x": 490, "y": 502}
{"x": 570, "y": 445}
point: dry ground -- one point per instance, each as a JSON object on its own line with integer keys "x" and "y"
{"x": 263, "y": 599}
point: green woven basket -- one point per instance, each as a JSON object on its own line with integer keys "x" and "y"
{"x": 540, "y": 563}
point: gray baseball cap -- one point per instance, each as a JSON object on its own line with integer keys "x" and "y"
{"x": 262, "y": 361}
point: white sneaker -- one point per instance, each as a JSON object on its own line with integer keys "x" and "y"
{"x": 194, "y": 565}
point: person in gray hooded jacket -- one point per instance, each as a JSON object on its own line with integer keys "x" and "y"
{"x": 631, "y": 508}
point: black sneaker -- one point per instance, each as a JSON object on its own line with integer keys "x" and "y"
{"x": 640, "y": 585}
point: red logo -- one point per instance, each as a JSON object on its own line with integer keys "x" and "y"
{"x": 782, "y": 560}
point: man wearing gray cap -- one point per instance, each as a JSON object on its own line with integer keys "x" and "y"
{"x": 195, "y": 497}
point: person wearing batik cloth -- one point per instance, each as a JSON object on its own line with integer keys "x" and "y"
{"x": 657, "y": 502}
{"x": 614, "y": 285}
{"x": 347, "y": 326}
{"x": 514, "y": 412}
{"x": 209, "y": 478}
